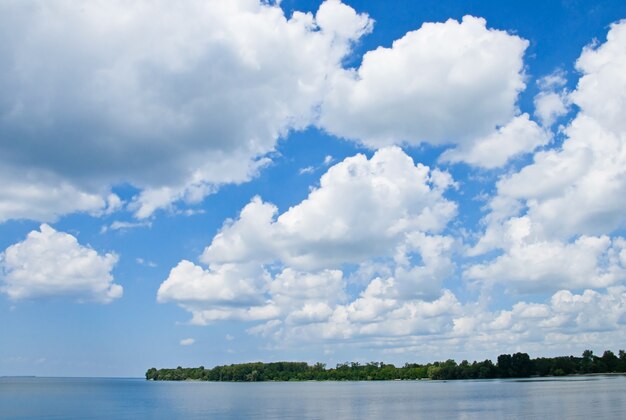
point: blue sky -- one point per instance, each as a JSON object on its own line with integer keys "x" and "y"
{"x": 222, "y": 182}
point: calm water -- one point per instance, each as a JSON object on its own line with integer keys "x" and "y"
{"x": 588, "y": 397}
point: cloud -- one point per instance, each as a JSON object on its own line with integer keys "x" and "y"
{"x": 532, "y": 264}
{"x": 288, "y": 269}
{"x": 371, "y": 316}
{"x": 229, "y": 283}
{"x": 141, "y": 261}
{"x": 552, "y": 102}
{"x": 578, "y": 188}
{"x": 362, "y": 209}
{"x": 187, "y": 341}
{"x": 172, "y": 100}
{"x": 520, "y": 135}
{"x": 328, "y": 159}
{"x": 402, "y": 303}
{"x": 549, "y": 106}
{"x": 50, "y": 263}
{"x": 564, "y": 322}
{"x": 228, "y": 291}
{"x": 567, "y": 320}
{"x": 554, "y": 219}
{"x": 445, "y": 83}
{"x": 120, "y": 225}
{"x": 206, "y": 92}
{"x": 41, "y": 195}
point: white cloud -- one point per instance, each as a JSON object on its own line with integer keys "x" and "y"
{"x": 554, "y": 218}
{"x": 292, "y": 274}
{"x": 173, "y": 99}
{"x": 228, "y": 291}
{"x": 552, "y": 102}
{"x": 520, "y": 135}
{"x": 121, "y": 225}
{"x": 385, "y": 209}
{"x": 341, "y": 22}
{"x": 291, "y": 288}
{"x": 51, "y": 263}
{"x": 141, "y": 261}
{"x": 403, "y": 304}
{"x": 567, "y": 321}
{"x": 410, "y": 301}
{"x": 445, "y": 83}
{"x": 187, "y": 341}
{"x": 311, "y": 169}
{"x": 40, "y": 195}
{"x": 362, "y": 209}
{"x": 601, "y": 91}
{"x": 549, "y": 106}
{"x": 578, "y": 188}
{"x": 228, "y": 283}
{"x": 553, "y": 81}
{"x": 533, "y": 264}
{"x": 370, "y": 317}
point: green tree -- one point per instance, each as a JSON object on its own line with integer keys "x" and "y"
{"x": 586, "y": 363}
{"x": 504, "y": 366}
{"x": 151, "y": 374}
{"x": 520, "y": 365}
{"x": 611, "y": 361}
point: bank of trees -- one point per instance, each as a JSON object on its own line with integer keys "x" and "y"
{"x": 518, "y": 365}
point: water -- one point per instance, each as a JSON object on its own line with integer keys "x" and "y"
{"x": 83, "y": 398}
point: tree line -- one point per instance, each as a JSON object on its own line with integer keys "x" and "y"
{"x": 518, "y": 365}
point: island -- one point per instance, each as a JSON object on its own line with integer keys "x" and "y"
{"x": 517, "y": 365}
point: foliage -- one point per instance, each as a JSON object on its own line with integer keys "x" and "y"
{"x": 518, "y": 365}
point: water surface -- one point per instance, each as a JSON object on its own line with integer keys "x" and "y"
{"x": 101, "y": 398}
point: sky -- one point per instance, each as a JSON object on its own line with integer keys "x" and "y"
{"x": 215, "y": 182}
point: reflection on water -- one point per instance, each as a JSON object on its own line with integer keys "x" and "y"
{"x": 577, "y": 397}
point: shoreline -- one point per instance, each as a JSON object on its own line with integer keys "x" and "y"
{"x": 517, "y": 379}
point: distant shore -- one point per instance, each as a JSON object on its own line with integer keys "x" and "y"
{"x": 517, "y": 365}
{"x": 530, "y": 378}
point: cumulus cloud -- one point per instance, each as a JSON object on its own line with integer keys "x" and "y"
{"x": 552, "y": 102}
{"x": 40, "y": 195}
{"x": 188, "y": 282}
{"x": 52, "y": 263}
{"x": 187, "y": 341}
{"x": 362, "y": 209}
{"x": 566, "y": 321}
{"x": 549, "y": 106}
{"x": 518, "y": 136}
{"x": 534, "y": 264}
{"x": 288, "y": 269}
{"x": 177, "y": 101}
{"x": 554, "y": 218}
{"x": 173, "y": 100}
{"x": 403, "y": 304}
{"x": 123, "y": 226}
{"x": 408, "y": 301}
{"x": 372, "y": 316}
{"x": 577, "y": 188}
{"x": 445, "y": 83}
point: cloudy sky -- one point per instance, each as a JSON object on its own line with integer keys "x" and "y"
{"x": 225, "y": 181}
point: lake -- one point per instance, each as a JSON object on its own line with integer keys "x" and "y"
{"x": 574, "y": 397}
